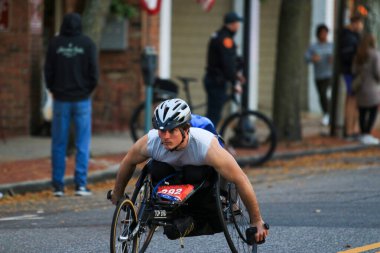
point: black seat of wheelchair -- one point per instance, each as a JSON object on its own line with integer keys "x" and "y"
{"x": 187, "y": 79}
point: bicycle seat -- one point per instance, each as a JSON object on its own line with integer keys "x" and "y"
{"x": 185, "y": 79}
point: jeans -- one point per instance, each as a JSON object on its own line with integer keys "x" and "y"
{"x": 216, "y": 97}
{"x": 63, "y": 113}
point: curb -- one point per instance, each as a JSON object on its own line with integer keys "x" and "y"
{"x": 110, "y": 173}
{"x": 250, "y": 161}
{"x": 39, "y": 185}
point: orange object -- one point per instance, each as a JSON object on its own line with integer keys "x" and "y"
{"x": 175, "y": 192}
{"x": 228, "y": 42}
{"x": 362, "y": 10}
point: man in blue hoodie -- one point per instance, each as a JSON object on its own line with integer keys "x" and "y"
{"x": 71, "y": 74}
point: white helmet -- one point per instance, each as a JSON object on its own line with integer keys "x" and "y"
{"x": 170, "y": 114}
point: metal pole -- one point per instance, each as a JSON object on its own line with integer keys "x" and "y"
{"x": 246, "y": 48}
{"x": 148, "y": 107}
{"x": 336, "y": 126}
{"x": 148, "y": 90}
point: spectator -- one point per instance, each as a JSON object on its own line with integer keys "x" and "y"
{"x": 222, "y": 67}
{"x": 320, "y": 54}
{"x": 71, "y": 74}
{"x": 366, "y": 68}
{"x": 350, "y": 41}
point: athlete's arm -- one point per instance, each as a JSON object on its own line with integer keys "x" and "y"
{"x": 137, "y": 154}
{"x": 226, "y": 166}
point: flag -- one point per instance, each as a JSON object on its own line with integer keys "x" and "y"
{"x": 206, "y": 4}
{"x": 151, "y": 6}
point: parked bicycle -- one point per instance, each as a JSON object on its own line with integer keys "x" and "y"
{"x": 242, "y": 129}
{"x": 179, "y": 209}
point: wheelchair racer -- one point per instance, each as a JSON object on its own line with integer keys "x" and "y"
{"x": 175, "y": 143}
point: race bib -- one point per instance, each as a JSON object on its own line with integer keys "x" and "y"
{"x": 175, "y": 192}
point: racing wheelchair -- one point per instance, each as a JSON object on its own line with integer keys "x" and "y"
{"x": 183, "y": 208}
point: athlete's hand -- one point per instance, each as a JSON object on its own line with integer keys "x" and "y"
{"x": 113, "y": 197}
{"x": 262, "y": 231}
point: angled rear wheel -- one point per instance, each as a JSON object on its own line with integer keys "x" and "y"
{"x": 141, "y": 198}
{"x": 234, "y": 218}
{"x": 124, "y": 223}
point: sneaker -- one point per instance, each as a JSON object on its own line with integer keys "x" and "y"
{"x": 353, "y": 137}
{"x": 368, "y": 139}
{"x": 58, "y": 192}
{"x": 325, "y": 120}
{"x": 82, "y": 191}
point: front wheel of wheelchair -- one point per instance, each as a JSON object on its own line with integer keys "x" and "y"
{"x": 234, "y": 219}
{"x": 123, "y": 224}
{"x": 140, "y": 198}
{"x": 250, "y": 130}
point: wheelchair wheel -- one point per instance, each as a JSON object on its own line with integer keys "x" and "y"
{"x": 234, "y": 219}
{"x": 137, "y": 122}
{"x": 140, "y": 198}
{"x": 123, "y": 222}
{"x": 252, "y": 130}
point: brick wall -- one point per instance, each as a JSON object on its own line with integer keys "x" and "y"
{"x": 120, "y": 88}
{"x": 15, "y": 72}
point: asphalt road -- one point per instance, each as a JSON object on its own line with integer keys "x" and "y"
{"x": 330, "y": 211}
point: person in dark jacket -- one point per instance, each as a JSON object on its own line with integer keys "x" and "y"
{"x": 222, "y": 67}
{"x": 71, "y": 74}
{"x": 350, "y": 42}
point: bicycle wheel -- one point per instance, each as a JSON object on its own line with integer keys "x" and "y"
{"x": 137, "y": 122}
{"x": 140, "y": 198}
{"x": 238, "y": 215}
{"x": 123, "y": 222}
{"x": 250, "y": 130}
{"x": 234, "y": 219}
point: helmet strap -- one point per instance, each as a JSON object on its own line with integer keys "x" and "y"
{"x": 183, "y": 139}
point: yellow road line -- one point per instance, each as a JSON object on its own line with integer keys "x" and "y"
{"x": 362, "y": 249}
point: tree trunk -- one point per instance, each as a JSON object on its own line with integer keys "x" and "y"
{"x": 94, "y": 17}
{"x": 288, "y": 80}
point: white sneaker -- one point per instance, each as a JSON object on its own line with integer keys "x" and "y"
{"x": 58, "y": 193}
{"x": 325, "y": 120}
{"x": 368, "y": 139}
{"x": 82, "y": 191}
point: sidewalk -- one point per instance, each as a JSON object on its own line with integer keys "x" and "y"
{"x": 25, "y": 161}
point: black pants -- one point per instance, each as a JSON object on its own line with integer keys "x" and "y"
{"x": 216, "y": 98}
{"x": 202, "y": 205}
{"x": 322, "y": 87}
{"x": 367, "y": 118}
